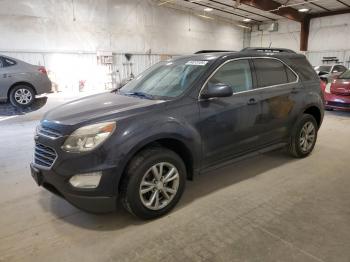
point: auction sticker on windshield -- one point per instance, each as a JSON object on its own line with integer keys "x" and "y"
{"x": 198, "y": 63}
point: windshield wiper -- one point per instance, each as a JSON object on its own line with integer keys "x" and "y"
{"x": 140, "y": 94}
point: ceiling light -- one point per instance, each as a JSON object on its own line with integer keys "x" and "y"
{"x": 207, "y": 17}
{"x": 247, "y": 20}
{"x": 304, "y": 10}
{"x": 208, "y": 9}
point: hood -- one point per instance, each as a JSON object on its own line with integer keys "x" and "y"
{"x": 94, "y": 107}
{"x": 341, "y": 87}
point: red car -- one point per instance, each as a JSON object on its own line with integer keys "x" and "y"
{"x": 337, "y": 92}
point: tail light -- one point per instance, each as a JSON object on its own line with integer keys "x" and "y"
{"x": 42, "y": 70}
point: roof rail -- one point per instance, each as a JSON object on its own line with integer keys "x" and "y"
{"x": 212, "y": 51}
{"x": 268, "y": 50}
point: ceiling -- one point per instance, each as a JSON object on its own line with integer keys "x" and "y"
{"x": 227, "y": 10}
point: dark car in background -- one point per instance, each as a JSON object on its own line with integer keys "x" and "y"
{"x": 337, "y": 92}
{"x": 20, "y": 82}
{"x": 176, "y": 120}
{"x": 329, "y": 71}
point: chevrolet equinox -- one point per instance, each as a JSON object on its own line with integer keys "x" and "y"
{"x": 141, "y": 142}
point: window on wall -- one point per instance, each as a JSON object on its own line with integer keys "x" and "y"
{"x": 272, "y": 72}
{"x": 236, "y": 74}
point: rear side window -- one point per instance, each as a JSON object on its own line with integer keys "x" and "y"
{"x": 339, "y": 69}
{"x": 291, "y": 75}
{"x": 272, "y": 72}
{"x": 6, "y": 62}
{"x": 236, "y": 74}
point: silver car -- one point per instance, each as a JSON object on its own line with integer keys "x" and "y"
{"x": 20, "y": 82}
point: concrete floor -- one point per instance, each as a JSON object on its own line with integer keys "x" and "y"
{"x": 267, "y": 208}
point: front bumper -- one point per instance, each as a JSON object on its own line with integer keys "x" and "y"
{"x": 82, "y": 199}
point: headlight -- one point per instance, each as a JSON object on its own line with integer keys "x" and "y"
{"x": 89, "y": 137}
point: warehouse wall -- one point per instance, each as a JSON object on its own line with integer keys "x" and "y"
{"x": 287, "y": 36}
{"x": 329, "y": 36}
{"x": 65, "y": 36}
{"x": 117, "y": 25}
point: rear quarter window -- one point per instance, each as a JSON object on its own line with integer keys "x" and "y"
{"x": 6, "y": 62}
{"x": 303, "y": 69}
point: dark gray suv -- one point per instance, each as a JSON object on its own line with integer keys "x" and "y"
{"x": 141, "y": 143}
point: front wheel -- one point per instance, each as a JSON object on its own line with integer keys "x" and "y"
{"x": 22, "y": 96}
{"x": 153, "y": 183}
{"x": 304, "y": 136}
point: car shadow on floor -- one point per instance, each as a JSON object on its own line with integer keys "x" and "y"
{"x": 202, "y": 186}
{"x": 7, "y": 109}
{"x": 338, "y": 113}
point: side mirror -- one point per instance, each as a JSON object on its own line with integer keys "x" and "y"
{"x": 216, "y": 90}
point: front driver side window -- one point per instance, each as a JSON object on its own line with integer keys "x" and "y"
{"x": 236, "y": 74}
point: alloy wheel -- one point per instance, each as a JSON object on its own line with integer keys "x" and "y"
{"x": 307, "y": 136}
{"x": 159, "y": 185}
{"x": 23, "y": 96}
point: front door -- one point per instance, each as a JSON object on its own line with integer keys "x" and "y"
{"x": 228, "y": 125}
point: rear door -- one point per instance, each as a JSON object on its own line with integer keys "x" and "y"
{"x": 281, "y": 97}
{"x": 6, "y": 75}
{"x": 3, "y": 89}
{"x": 228, "y": 125}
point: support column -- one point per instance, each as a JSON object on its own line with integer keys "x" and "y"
{"x": 304, "y": 34}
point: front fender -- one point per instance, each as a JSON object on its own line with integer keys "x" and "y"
{"x": 131, "y": 138}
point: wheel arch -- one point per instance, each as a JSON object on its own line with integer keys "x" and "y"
{"x": 316, "y": 112}
{"x": 170, "y": 142}
{"x": 18, "y": 84}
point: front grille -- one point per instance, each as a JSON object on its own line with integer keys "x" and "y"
{"x": 48, "y": 132}
{"x": 338, "y": 104}
{"x": 44, "y": 156}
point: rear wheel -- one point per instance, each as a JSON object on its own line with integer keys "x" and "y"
{"x": 153, "y": 183}
{"x": 304, "y": 136}
{"x": 22, "y": 96}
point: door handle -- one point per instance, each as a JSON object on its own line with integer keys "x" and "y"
{"x": 252, "y": 101}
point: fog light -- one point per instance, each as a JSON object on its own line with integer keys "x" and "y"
{"x": 89, "y": 180}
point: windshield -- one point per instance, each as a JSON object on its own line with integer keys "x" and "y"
{"x": 323, "y": 68}
{"x": 345, "y": 75}
{"x": 166, "y": 79}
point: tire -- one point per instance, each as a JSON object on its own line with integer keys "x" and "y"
{"x": 22, "y": 96}
{"x": 295, "y": 147}
{"x": 329, "y": 109}
{"x": 141, "y": 170}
